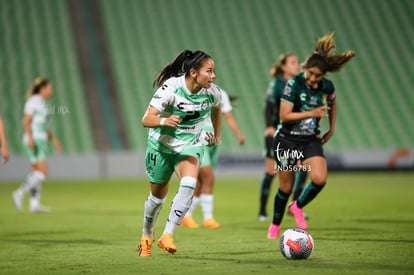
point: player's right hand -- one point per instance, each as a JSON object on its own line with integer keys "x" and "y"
{"x": 320, "y": 111}
{"x": 172, "y": 121}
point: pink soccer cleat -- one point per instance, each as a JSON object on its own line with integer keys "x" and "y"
{"x": 298, "y": 214}
{"x": 274, "y": 231}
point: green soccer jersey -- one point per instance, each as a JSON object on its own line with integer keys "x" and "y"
{"x": 304, "y": 98}
{"x": 273, "y": 95}
{"x": 173, "y": 98}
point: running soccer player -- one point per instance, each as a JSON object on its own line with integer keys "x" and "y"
{"x": 286, "y": 68}
{"x": 306, "y": 99}
{"x": 3, "y": 142}
{"x": 203, "y": 193}
{"x": 176, "y": 114}
{"x": 35, "y": 144}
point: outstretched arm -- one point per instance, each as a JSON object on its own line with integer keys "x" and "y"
{"x": 54, "y": 141}
{"x": 3, "y": 142}
{"x": 231, "y": 121}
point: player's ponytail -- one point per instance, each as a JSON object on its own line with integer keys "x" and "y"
{"x": 277, "y": 69}
{"x": 182, "y": 64}
{"x": 324, "y": 58}
{"x": 38, "y": 85}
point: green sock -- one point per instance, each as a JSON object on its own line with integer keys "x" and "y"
{"x": 298, "y": 186}
{"x": 264, "y": 192}
{"x": 279, "y": 206}
{"x": 309, "y": 194}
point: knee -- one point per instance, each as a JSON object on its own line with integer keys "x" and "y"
{"x": 319, "y": 179}
{"x": 286, "y": 186}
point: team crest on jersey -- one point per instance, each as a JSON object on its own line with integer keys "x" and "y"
{"x": 204, "y": 105}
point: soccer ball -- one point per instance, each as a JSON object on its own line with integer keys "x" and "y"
{"x": 296, "y": 243}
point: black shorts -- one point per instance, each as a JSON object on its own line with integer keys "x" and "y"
{"x": 268, "y": 146}
{"x": 288, "y": 149}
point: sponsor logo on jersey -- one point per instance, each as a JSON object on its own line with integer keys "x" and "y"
{"x": 287, "y": 90}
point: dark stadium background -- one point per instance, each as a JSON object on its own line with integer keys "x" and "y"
{"x": 102, "y": 56}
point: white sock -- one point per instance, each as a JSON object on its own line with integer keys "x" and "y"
{"x": 35, "y": 183}
{"x": 26, "y": 185}
{"x": 180, "y": 204}
{"x": 193, "y": 206}
{"x": 152, "y": 208}
{"x": 207, "y": 205}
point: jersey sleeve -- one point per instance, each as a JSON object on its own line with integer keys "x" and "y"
{"x": 162, "y": 98}
{"x": 30, "y": 107}
{"x": 289, "y": 94}
{"x": 225, "y": 102}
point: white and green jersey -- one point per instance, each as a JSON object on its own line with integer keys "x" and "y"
{"x": 174, "y": 98}
{"x": 36, "y": 107}
{"x": 225, "y": 108}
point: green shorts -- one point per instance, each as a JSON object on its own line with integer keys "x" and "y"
{"x": 210, "y": 156}
{"x": 160, "y": 165}
{"x": 39, "y": 153}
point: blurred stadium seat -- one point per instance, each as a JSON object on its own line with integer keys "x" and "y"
{"x": 244, "y": 37}
{"x": 36, "y": 40}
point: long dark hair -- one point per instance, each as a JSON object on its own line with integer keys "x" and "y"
{"x": 38, "y": 84}
{"x": 323, "y": 57}
{"x": 277, "y": 70}
{"x": 182, "y": 64}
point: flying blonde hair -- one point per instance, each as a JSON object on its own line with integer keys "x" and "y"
{"x": 325, "y": 58}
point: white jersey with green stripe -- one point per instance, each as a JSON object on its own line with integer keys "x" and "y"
{"x": 36, "y": 107}
{"x": 174, "y": 98}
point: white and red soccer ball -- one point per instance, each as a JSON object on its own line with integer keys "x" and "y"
{"x": 296, "y": 243}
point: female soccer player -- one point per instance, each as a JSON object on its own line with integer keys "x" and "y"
{"x": 204, "y": 189}
{"x": 306, "y": 99}
{"x": 176, "y": 114}
{"x": 3, "y": 142}
{"x": 35, "y": 144}
{"x": 286, "y": 68}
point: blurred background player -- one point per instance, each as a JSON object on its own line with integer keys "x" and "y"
{"x": 286, "y": 68}
{"x": 3, "y": 142}
{"x": 35, "y": 144}
{"x": 306, "y": 99}
{"x": 176, "y": 114}
{"x": 203, "y": 193}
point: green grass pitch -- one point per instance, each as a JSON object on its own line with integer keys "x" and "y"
{"x": 362, "y": 223}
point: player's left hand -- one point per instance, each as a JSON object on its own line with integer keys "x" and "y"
{"x": 241, "y": 139}
{"x": 58, "y": 146}
{"x": 327, "y": 136}
{"x": 212, "y": 139}
{"x": 5, "y": 154}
